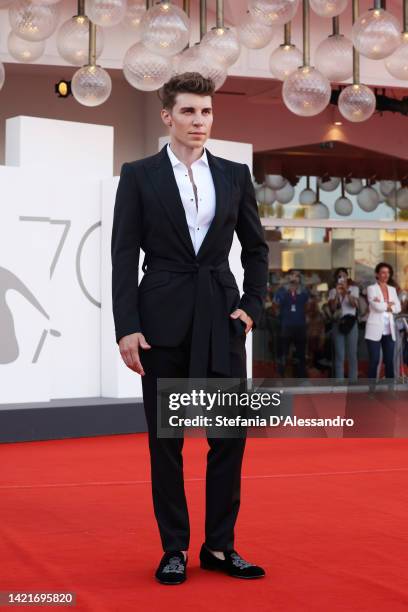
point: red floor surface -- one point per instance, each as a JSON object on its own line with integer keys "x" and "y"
{"x": 326, "y": 518}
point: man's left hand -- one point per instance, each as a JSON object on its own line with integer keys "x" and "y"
{"x": 241, "y": 314}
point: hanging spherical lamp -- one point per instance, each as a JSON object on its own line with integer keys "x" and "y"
{"x": 73, "y": 40}
{"x": 307, "y": 196}
{"x": 397, "y": 63}
{"x": 165, "y": 29}
{"x": 2, "y": 75}
{"x": 273, "y": 12}
{"x": 376, "y": 33}
{"x": 330, "y": 184}
{"x": 334, "y": 57}
{"x": 306, "y": 92}
{"x": 343, "y": 206}
{"x": 135, "y": 10}
{"x": 106, "y": 13}
{"x": 91, "y": 85}
{"x": 285, "y": 194}
{"x": 146, "y": 70}
{"x": 275, "y": 181}
{"x": 402, "y": 198}
{"x": 265, "y": 195}
{"x": 368, "y": 199}
{"x": 386, "y": 187}
{"x": 24, "y": 50}
{"x": 253, "y": 34}
{"x": 318, "y": 210}
{"x": 284, "y": 60}
{"x": 354, "y": 186}
{"x": 357, "y": 102}
{"x": 328, "y": 8}
{"x": 391, "y": 198}
{"x": 193, "y": 60}
{"x": 223, "y": 44}
{"x": 33, "y": 21}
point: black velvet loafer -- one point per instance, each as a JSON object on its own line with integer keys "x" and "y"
{"x": 172, "y": 568}
{"x": 233, "y": 564}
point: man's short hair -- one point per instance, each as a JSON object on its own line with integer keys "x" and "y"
{"x": 188, "y": 82}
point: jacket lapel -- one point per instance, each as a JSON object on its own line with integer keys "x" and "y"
{"x": 222, "y": 184}
{"x": 164, "y": 183}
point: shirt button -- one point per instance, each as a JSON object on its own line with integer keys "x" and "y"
{"x": 198, "y": 228}
{"x": 191, "y": 199}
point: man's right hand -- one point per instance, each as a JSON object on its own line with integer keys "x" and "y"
{"x": 129, "y": 350}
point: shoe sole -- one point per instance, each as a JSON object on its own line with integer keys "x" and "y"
{"x": 215, "y": 569}
{"x": 169, "y": 583}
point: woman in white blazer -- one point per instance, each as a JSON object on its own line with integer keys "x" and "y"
{"x": 380, "y": 327}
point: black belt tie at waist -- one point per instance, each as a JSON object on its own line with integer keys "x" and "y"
{"x": 211, "y": 316}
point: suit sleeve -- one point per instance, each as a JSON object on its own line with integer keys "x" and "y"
{"x": 375, "y": 306}
{"x": 254, "y": 254}
{"x": 125, "y": 251}
{"x": 397, "y": 305}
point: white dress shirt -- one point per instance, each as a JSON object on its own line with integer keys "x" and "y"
{"x": 198, "y": 221}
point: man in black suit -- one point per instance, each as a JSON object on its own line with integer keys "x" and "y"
{"x": 186, "y": 318}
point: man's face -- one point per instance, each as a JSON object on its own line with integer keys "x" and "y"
{"x": 294, "y": 277}
{"x": 190, "y": 120}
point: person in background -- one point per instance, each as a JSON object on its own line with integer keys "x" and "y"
{"x": 380, "y": 330}
{"x": 292, "y": 300}
{"x": 343, "y": 303}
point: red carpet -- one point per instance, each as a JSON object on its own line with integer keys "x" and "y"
{"x": 327, "y": 518}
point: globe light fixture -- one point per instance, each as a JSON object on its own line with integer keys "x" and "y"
{"x": 106, "y": 13}
{"x": 356, "y": 102}
{"x": 165, "y": 29}
{"x": 73, "y": 40}
{"x": 402, "y": 198}
{"x": 343, "y": 206}
{"x": 24, "y": 50}
{"x": 328, "y": 184}
{"x": 253, "y": 34}
{"x": 146, "y": 70}
{"x": 306, "y": 91}
{"x": 286, "y": 58}
{"x": 135, "y": 10}
{"x": 397, "y": 63}
{"x": 353, "y": 186}
{"x": 307, "y": 196}
{"x": 328, "y": 8}
{"x": 223, "y": 44}
{"x": 275, "y": 181}
{"x": 91, "y": 85}
{"x": 318, "y": 210}
{"x": 285, "y": 194}
{"x": 376, "y": 33}
{"x": 334, "y": 55}
{"x": 265, "y": 195}
{"x": 368, "y": 199}
{"x": 386, "y": 187}
{"x": 193, "y": 60}
{"x": 273, "y": 12}
{"x": 33, "y": 22}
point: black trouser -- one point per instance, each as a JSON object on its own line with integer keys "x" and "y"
{"x": 297, "y": 335}
{"x": 224, "y": 458}
{"x": 387, "y": 344}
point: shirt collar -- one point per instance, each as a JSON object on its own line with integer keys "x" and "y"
{"x": 175, "y": 161}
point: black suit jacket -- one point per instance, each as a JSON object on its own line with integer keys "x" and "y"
{"x": 180, "y": 288}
